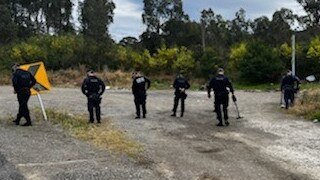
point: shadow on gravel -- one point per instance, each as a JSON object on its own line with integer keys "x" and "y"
{"x": 237, "y": 143}
{"x": 8, "y": 171}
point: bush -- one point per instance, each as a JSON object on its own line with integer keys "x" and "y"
{"x": 260, "y": 64}
{"x": 308, "y": 105}
{"x": 209, "y": 63}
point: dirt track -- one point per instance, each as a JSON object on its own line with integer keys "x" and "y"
{"x": 266, "y": 144}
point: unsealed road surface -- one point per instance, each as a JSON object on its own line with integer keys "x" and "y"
{"x": 265, "y": 144}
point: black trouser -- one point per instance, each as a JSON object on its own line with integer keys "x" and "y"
{"x": 224, "y": 101}
{"x": 23, "y": 98}
{"x": 94, "y": 104}
{"x": 176, "y": 103}
{"x": 140, "y": 100}
{"x": 288, "y": 96}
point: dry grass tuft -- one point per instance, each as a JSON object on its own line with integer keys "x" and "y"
{"x": 74, "y": 78}
{"x": 103, "y": 135}
{"x": 5, "y": 79}
{"x": 308, "y": 104}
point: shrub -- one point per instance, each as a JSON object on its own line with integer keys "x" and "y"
{"x": 260, "y": 64}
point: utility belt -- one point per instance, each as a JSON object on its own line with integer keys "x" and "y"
{"x": 95, "y": 97}
{"x": 225, "y": 93}
{"x": 24, "y": 90}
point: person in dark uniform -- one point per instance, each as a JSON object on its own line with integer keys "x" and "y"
{"x": 181, "y": 85}
{"x": 289, "y": 86}
{"x": 93, "y": 87}
{"x": 140, "y": 86}
{"x": 220, "y": 85}
{"x": 22, "y": 82}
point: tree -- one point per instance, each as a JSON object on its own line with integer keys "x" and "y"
{"x": 281, "y": 22}
{"x": 239, "y": 27}
{"x": 209, "y": 63}
{"x": 58, "y": 15}
{"x": 96, "y": 16}
{"x": 261, "y": 28}
{"x": 180, "y": 33}
{"x": 314, "y": 49}
{"x": 184, "y": 63}
{"x": 129, "y": 41}
{"x": 8, "y": 29}
{"x": 215, "y": 32}
{"x": 155, "y": 16}
{"x": 312, "y": 8}
{"x": 260, "y": 64}
{"x": 158, "y": 12}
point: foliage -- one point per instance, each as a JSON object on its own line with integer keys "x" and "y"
{"x": 314, "y": 49}
{"x": 96, "y": 16}
{"x": 173, "y": 60}
{"x": 260, "y": 64}
{"x": 249, "y": 50}
{"x": 209, "y": 63}
{"x": 308, "y": 104}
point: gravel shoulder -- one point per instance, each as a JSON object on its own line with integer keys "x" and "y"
{"x": 265, "y": 144}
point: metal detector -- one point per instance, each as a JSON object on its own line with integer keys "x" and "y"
{"x": 236, "y": 105}
{"x": 282, "y": 103}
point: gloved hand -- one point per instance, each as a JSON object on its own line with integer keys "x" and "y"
{"x": 234, "y": 98}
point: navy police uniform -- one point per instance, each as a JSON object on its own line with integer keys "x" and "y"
{"x": 93, "y": 88}
{"x": 139, "y": 90}
{"x": 219, "y": 84}
{"x": 289, "y": 85}
{"x": 180, "y": 84}
{"x": 22, "y": 82}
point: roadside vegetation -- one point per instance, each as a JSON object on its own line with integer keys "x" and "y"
{"x": 104, "y": 135}
{"x": 253, "y": 51}
{"x": 308, "y": 105}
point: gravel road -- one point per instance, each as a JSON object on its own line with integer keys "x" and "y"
{"x": 266, "y": 144}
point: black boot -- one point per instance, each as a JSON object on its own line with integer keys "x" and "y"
{"x": 181, "y": 115}
{"x": 138, "y": 117}
{"x": 27, "y": 124}
{"x": 17, "y": 122}
{"x": 219, "y": 124}
{"x": 227, "y": 122}
{"x": 174, "y": 115}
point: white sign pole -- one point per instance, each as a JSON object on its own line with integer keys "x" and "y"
{"x": 293, "y": 62}
{"x": 42, "y": 108}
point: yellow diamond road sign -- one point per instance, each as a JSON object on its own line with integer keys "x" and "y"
{"x": 39, "y": 72}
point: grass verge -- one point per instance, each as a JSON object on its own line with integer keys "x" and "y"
{"x": 103, "y": 135}
{"x": 255, "y": 87}
{"x": 308, "y": 105}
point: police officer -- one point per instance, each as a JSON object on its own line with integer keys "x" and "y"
{"x": 219, "y": 84}
{"x": 289, "y": 86}
{"x": 140, "y": 85}
{"x": 181, "y": 85}
{"x": 22, "y": 82}
{"x": 93, "y": 87}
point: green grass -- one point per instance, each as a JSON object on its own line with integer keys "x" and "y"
{"x": 310, "y": 86}
{"x": 261, "y": 87}
{"x": 103, "y": 135}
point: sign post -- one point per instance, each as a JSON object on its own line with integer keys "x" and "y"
{"x": 42, "y": 108}
{"x": 293, "y": 62}
{"x": 43, "y": 85}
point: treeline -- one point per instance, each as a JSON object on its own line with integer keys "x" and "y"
{"x": 253, "y": 51}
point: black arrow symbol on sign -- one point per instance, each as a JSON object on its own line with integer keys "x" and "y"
{"x": 33, "y": 70}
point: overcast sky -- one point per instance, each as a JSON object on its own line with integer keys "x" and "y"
{"x": 128, "y": 21}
